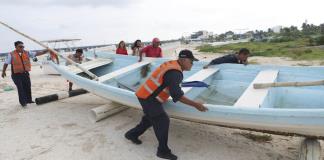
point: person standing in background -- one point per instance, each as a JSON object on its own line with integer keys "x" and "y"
{"x": 153, "y": 50}
{"x": 121, "y": 48}
{"x": 136, "y": 47}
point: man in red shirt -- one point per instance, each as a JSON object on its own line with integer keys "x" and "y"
{"x": 152, "y": 50}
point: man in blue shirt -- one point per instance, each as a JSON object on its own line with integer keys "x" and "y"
{"x": 238, "y": 58}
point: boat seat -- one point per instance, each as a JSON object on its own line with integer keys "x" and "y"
{"x": 199, "y": 76}
{"x": 89, "y": 65}
{"x": 124, "y": 70}
{"x": 253, "y": 98}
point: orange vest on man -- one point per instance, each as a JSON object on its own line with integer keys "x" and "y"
{"x": 20, "y": 63}
{"x": 156, "y": 80}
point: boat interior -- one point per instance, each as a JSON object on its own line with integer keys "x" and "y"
{"x": 229, "y": 84}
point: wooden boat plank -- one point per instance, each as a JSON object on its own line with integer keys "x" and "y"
{"x": 90, "y": 65}
{"x": 199, "y": 76}
{"x": 254, "y": 97}
{"x": 123, "y": 70}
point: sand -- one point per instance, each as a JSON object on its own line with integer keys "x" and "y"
{"x": 62, "y": 130}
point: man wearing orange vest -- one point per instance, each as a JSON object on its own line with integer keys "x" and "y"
{"x": 163, "y": 83}
{"x": 20, "y": 67}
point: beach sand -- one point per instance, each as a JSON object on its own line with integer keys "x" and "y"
{"x": 62, "y": 130}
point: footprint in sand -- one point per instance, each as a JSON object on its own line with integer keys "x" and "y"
{"x": 69, "y": 125}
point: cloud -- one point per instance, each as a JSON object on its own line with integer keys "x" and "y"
{"x": 69, "y": 3}
{"x": 98, "y": 22}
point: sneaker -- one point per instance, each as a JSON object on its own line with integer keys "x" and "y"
{"x": 134, "y": 140}
{"x": 167, "y": 156}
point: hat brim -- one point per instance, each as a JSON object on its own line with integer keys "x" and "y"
{"x": 195, "y": 59}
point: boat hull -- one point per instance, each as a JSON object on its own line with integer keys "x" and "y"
{"x": 305, "y": 122}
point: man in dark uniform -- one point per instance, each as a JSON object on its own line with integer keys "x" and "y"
{"x": 154, "y": 114}
{"x": 20, "y": 67}
{"x": 238, "y": 58}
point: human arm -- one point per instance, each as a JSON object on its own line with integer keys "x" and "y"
{"x": 141, "y": 54}
{"x": 161, "y": 54}
{"x": 213, "y": 62}
{"x": 4, "y": 70}
{"x": 173, "y": 79}
{"x": 245, "y": 62}
{"x": 5, "y": 65}
{"x": 225, "y": 59}
{"x": 194, "y": 104}
{"x": 206, "y": 66}
{"x": 39, "y": 53}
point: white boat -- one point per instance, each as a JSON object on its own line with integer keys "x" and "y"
{"x": 231, "y": 99}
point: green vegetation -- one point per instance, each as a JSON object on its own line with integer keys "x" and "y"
{"x": 299, "y": 49}
{"x": 304, "y": 44}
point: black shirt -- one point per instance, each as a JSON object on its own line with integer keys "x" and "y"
{"x": 171, "y": 79}
{"x": 231, "y": 58}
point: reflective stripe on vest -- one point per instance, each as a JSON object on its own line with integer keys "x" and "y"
{"x": 20, "y": 64}
{"x": 156, "y": 80}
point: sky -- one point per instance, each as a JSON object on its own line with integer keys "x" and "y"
{"x": 109, "y": 21}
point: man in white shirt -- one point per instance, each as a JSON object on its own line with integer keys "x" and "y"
{"x": 20, "y": 67}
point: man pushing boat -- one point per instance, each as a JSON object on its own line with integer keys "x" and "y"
{"x": 238, "y": 58}
{"x": 163, "y": 83}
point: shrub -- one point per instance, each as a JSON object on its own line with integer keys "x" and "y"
{"x": 320, "y": 40}
{"x": 281, "y": 39}
{"x": 308, "y": 51}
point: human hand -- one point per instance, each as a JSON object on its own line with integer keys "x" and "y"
{"x": 201, "y": 107}
{"x": 245, "y": 62}
{"x": 3, "y": 74}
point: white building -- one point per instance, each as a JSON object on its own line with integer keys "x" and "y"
{"x": 276, "y": 29}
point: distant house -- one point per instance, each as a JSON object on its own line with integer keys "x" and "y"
{"x": 249, "y": 34}
{"x": 201, "y": 35}
{"x": 276, "y": 29}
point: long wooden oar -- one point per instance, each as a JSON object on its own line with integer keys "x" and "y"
{"x": 287, "y": 84}
{"x": 93, "y": 76}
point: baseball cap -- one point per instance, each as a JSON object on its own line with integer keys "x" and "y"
{"x": 155, "y": 40}
{"x": 187, "y": 54}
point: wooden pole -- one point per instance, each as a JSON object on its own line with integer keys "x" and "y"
{"x": 287, "y": 84}
{"x": 93, "y": 76}
{"x": 310, "y": 149}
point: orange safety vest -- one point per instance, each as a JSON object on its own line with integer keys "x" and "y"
{"x": 156, "y": 80}
{"x": 20, "y": 64}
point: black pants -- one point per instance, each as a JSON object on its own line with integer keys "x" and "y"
{"x": 22, "y": 82}
{"x": 154, "y": 115}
